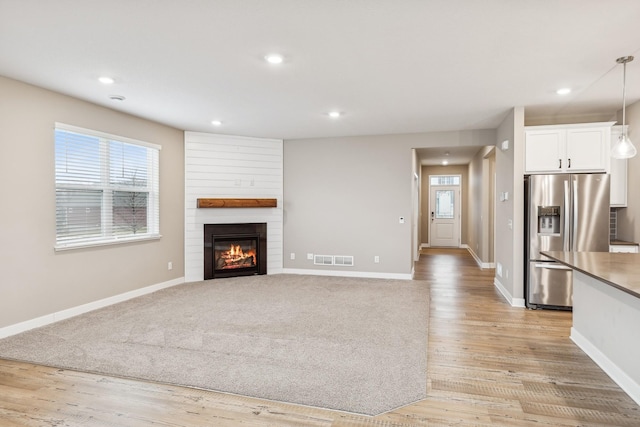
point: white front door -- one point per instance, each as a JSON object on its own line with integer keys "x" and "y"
{"x": 444, "y": 216}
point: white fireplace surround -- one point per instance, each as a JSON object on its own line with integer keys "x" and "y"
{"x": 231, "y": 167}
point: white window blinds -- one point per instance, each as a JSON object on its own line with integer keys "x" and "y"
{"x": 107, "y": 188}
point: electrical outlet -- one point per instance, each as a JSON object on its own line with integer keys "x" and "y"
{"x": 169, "y": 265}
{"x": 293, "y": 255}
{"x": 376, "y": 259}
{"x": 310, "y": 257}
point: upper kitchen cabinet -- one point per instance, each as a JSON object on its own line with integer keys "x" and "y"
{"x": 567, "y": 148}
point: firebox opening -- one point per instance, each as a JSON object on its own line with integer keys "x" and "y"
{"x": 232, "y": 253}
{"x": 235, "y": 250}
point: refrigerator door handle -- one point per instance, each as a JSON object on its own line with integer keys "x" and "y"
{"x": 551, "y": 266}
{"x": 574, "y": 231}
{"x": 566, "y": 242}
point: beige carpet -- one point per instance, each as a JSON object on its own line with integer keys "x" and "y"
{"x": 351, "y": 344}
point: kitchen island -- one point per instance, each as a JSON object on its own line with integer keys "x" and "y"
{"x": 606, "y": 312}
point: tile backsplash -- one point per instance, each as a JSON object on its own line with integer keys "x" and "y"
{"x": 613, "y": 223}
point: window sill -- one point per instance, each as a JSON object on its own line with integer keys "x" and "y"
{"x": 114, "y": 241}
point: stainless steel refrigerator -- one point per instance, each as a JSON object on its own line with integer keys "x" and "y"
{"x": 563, "y": 212}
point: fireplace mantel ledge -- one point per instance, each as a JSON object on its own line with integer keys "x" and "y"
{"x": 237, "y": 203}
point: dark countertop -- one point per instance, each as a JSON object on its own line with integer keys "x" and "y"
{"x": 620, "y": 270}
{"x": 622, "y": 242}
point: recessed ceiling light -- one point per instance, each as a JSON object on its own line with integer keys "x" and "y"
{"x": 445, "y": 163}
{"x": 117, "y": 97}
{"x": 106, "y": 80}
{"x": 274, "y": 58}
{"x": 563, "y": 91}
{"x": 216, "y": 122}
{"x": 334, "y": 114}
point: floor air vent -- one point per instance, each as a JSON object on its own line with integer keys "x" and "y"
{"x": 345, "y": 261}
{"x": 323, "y": 259}
{"x": 339, "y": 260}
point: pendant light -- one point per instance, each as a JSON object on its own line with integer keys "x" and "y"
{"x": 623, "y": 148}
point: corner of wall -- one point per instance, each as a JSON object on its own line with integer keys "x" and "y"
{"x": 514, "y": 302}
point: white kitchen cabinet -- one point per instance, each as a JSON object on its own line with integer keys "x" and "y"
{"x": 567, "y": 148}
{"x": 618, "y": 169}
{"x": 544, "y": 150}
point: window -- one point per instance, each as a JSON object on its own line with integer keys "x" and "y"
{"x": 444, "y": 180}
{"x": 107, "y": 188}
{"x": 444, "y": 204}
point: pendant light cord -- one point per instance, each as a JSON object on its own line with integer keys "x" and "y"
{"x": 623, "y": 60}
{"x": 624, "y": 99}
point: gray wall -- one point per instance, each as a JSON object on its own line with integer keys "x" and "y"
{"x": 416, "y": 201}
{"x": 629, "y": 217}
{"x": 481, "y": 202}
{"x": 509, "y": 178}
{"x": 36, "y": 280}
{"x": 343, "y": 196}
{"x": 491, "y": 185}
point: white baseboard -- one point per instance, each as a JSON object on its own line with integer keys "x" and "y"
{"x": 483, "y": 265}
{"x": 343, "y": 273}
{"x": 424, "y": 245}
{"x": 473, "y": 254}
{"x": 625, "y": 382}
{"x": 513, "y": 302}
{"x": 518, "y": 302}
{"x": 84, "y": 308}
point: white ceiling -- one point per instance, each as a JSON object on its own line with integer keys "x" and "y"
{"x": 392, "y": 66}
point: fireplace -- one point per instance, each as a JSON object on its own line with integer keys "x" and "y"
{"x": 235, "y": 250}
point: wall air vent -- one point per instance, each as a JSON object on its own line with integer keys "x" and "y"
{"x": 323, "y": 259}
{"x": 343, "y": 260}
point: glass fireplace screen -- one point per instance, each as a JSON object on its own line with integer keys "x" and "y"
{"x": 235, "y": 253}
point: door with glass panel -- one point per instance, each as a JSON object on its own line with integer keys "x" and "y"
{"x": 444, "y": 211}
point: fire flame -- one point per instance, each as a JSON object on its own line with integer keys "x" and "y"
{"x": 235, "y": 257}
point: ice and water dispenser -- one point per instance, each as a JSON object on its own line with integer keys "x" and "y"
{"x": 548, "y": 219}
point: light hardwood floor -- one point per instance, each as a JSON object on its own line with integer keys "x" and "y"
{"x": 488, "y": 364}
